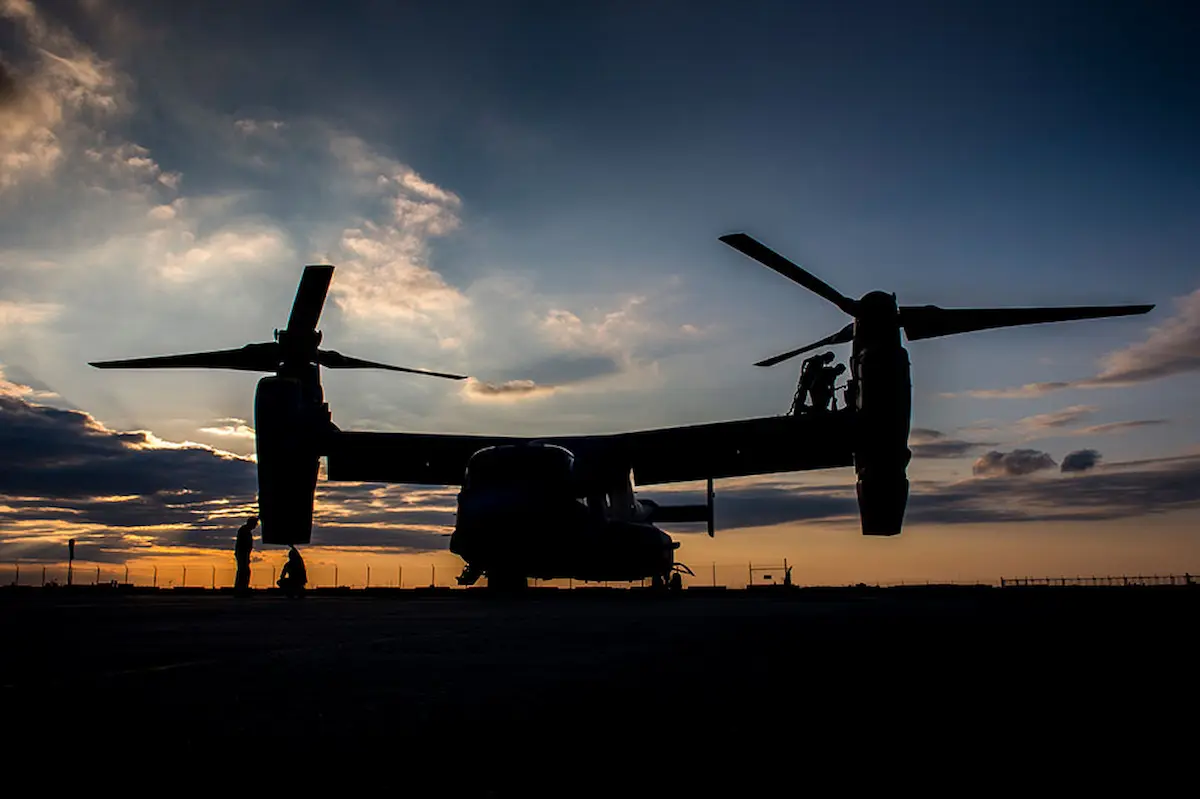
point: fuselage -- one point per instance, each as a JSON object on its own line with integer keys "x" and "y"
{"x": 523, "y": 513}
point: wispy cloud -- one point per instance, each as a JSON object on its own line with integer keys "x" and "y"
{"x": 46, "y": 99}
{"x": 25, "y": 314}
{"x": 1084, "y": 490}
{"x": 18, "y": 389}
{"x": 626, "y": 339}
{"x": 1057, "y": 419}
{"x": 251, "y": 127}
{"x": 1018, "y": 392}
{"x": 509, "y": 391}
{"x": 1120, "y": 427}
{"x": 927, "y": 443}
{"x": 1058, "y": 424}
{"x": 230, "y": 428}
{"x": 1172, "y": 348}
{"x": 384, "y": 273}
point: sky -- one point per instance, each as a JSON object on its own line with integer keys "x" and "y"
{"x": 531, "y": 194}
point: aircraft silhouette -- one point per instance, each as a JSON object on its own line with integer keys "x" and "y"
{"x": 527, "y": 508}
{"x": 879, "y": 391}
{"x": 565, "y": 506}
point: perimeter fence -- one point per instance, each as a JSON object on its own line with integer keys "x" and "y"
{"x": 332, "y": 576}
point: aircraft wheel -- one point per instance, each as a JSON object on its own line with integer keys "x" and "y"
{"x": 676, "y": 583}
{"x": 657, "y": 583}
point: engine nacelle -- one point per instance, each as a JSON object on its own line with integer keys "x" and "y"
{"x": 287, "y": 425}
{"x": 883, "y": 400}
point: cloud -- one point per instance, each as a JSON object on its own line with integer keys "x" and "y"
{"x": 184, "y": 260}
{"x": 230, "y": 428}
{"x": 8, "y": 87}
{"x": 1056, "y": 419}
{"x": 225, "y": 250}
{"x": 550, "y": 375}
{"x": 628, "y": 338}
{"x": 1080, "y": 460}
{"x": 66, "y": 474}
{"x": 1120, "y": 427}
{"x": 605, "y": 330}
{"x": 1172, "y": 348}
{"x": 1019, "y": 462}
{"x": 25, "y": 314}
{"x": 57, "y": 453}
{"x": 49, "y": 99}
{"x": 1056, "y": 423}
{"x": 383, "y": 273}
{"x": 251, "y": 127}
{"x": 508, "y": 391}
{"x": 1123, "y": 490}
{"x": 926, "y": 443}
{"x": 1027, "y": 390}
{"x": 15, "y": 384}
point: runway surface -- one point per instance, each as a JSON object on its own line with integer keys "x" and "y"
{"x": 467, "y": 673}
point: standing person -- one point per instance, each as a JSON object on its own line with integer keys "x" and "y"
{"x": 294, "y": 577}
{"x": 822, "y": 389}
{"x": 241, "y": 551}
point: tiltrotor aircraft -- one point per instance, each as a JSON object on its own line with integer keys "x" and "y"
{"x": 565, "y": 506}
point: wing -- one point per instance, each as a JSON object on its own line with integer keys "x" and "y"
{"x": 729, "y": 449}
{"x": 668, "y": 455}
{"x": 416, "y": 458}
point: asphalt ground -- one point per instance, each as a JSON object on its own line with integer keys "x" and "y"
{"x": 680, "y": 684}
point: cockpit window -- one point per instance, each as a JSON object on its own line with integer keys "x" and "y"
{"x": 515, "y": 466}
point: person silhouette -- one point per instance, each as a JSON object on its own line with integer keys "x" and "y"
{"x": 293, "y": 578}
{"x": 811, "y": 374}
{"x": 241, "y": 551}
{"x": 822, "y": 390}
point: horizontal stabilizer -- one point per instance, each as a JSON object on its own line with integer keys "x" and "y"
{"x": 684, "y": 513}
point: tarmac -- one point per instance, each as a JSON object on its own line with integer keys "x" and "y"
{"x": 593, "y": 673}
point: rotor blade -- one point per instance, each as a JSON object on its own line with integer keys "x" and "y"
{"x": 843, "y": 336}
{"x": 310, "y": 297}
{"x": 335, "y": 360}
{"x": 250, "y": 358}
{"x": 930, "y": 321}
{"x": 773, "y": 260}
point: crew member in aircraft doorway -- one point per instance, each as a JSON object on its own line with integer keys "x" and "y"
{"x": 822, "y": 390}
{"x": 241, "y": 551}
{"x": 293, "y": 578}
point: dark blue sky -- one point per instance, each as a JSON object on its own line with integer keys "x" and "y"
{"x": 1023, "y": 138}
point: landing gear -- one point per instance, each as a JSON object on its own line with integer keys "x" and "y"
{"x": 671, "y": 582}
